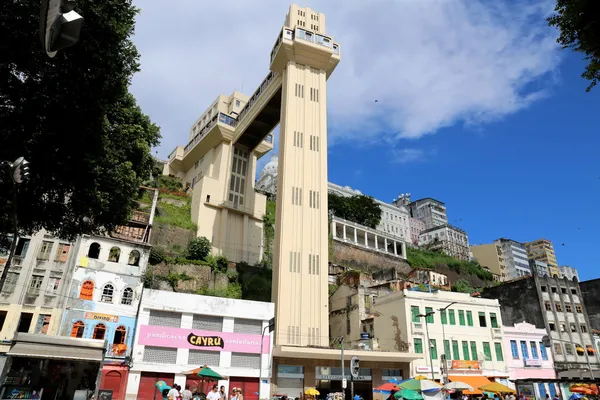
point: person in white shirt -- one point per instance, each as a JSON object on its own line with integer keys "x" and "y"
{"x": 173, "y": 393}
{"x": 214, "y": 393}
{"x": 186, "y": 394}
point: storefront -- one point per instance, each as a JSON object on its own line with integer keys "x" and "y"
{"x": 52, "y": 367}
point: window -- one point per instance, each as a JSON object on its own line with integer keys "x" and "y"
{"x": 299, "y": 139}
{"x": 22, "y": 246}
{"x": 63, "y": 252}
{"x": 552, "y": 326}
{"x": 87, "y": 290}
{"x": 578, "y": 308}
{"x": 524, "y": 349}
{"x": 452, "y": 319}
{"x": 498, "y": 350}
{"x": 461, "y": 318}
{"x": 237, "y": 103}
{"x": 433, "y": 348}
{"x": 447, "y": 349}
{"x": 414, "y": 311}
{"x": 45, "y": 250}
{"x": 514, "y": 350}
{"x": 563, "y": 290}
{"x": 568, "y": 349}
{"x": 558, "y": 348}
{"x": 53, "y": 285}
{"x": 444, "y": 317}
{"x": 493, "y": 320}
{"x": 107, "y": 294}
{"x": 558, "y": 307}
{"x": 534, "y": 352}
{"x": 455, "y": 350}
{"x": 99, "y": 331}
{"x": 418, "y": 344}
{"x": 553, "y": 289}
{"x": 568, "y": 308}
{"x": 574, "y": 291}
{"x": 77, "y": 329}
{"x": 313, "y": 199}
{"x": 543, "y": 352}
{"x": 94, "y": 250}
{"x": 36, "y": 282}
{"x": 548, "y": 306}
{"x": 134, "y": 258}
{"x": 296, "y": 196}
{"x": 120, "y": 335}
{"x": 474, "y": 351}
{"x": 237, "y": 183}
{"x": 482, "y": 322}
{"x": 469, "y": 318}
{"x": 43, "y": 324}
{"x": 429, "y": 318}
{"x": 127, "y": 298}
{"x": 465, "y": 346}
{"x": 544, "y": 288}
{"x": 573, "y": 327}
{"x": 487, "y": 351}
{"x": 114, "y": 254}
{"x": 583, "y": 328}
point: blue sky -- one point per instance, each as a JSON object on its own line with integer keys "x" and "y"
{"x": 477, "y": 105}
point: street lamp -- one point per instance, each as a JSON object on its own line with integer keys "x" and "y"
{"x": 60, "y": 25}
{"x": 441, "y": 310}
{"x": 427, "y": 314}
{"x": 546, "y": 341}
{"x": 17, "y": 172}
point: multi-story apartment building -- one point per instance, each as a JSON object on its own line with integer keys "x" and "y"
{"x": 220, "y": 175}
{"x": 451, "y": 240}
{"x": 568, "y": 272}
{"x": 543, "y": 250}
{"x": 527, "y": 358}
{"x": 171, "y": 338}
{"x": 432, "y": 212}
{"x": 490, "y": 256}
{"x": 590, "y": 293}
{"x": 539, "y": 267}
{"x": 416, "y": 228}
{"x": 467, "y": 330}
{"x": 515, "y": 258}
{"x": 555, "y": 305}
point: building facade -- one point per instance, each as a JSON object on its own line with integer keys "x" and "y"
{"x": 267, "y": 180}
{"x": 179, "y": 332}
{"x": 527, "y": 358}
{"x": 515, "y": 258}
{"x": 431, "y": 211}
{"x": 590, "y": 293}
{"x": 539, "y": 267}
{"x": 490, "y": 256}
{"x": 568, "y": 272}
{"x": 543, "y": 250}
{"x": 449, "y": 239}
{"x": 220, "y": 173}
{"x": 469, "y": 333}
{"x": 555, "y": 305}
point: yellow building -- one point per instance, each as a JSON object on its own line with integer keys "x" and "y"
{"x": 543, "y": 250}
{"x": 490, "y": 257}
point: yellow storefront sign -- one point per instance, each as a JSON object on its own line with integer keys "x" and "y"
{"x": 101, "y": 317}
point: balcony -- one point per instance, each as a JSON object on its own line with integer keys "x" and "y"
{"x": 496, "y": 333}
{"x": 418, "y": 328}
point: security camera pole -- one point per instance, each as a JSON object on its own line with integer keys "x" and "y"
{"x": 60, "y": 25}
{"x": 17, "y": 173}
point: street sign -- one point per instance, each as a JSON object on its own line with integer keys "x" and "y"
{"x": 344, "y": 383}
{"x": 354, "y": 367}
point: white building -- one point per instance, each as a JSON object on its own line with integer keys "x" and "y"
{"x": 515, "y": 258}
{"x": 568, "y": 272}
{"x": 469, "y": 333}
{"x": 267, "y": 180}
{"x": 451, "y": 240}
{"x": 540, "y": 267}
{"x": 178, "y": 332}
{"x": 431, "y": 211}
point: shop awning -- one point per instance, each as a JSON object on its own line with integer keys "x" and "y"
{"x": 474, "y": 381}
{"x": 56, "y": 347}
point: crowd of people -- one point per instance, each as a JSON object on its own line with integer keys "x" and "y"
{"x": 215, "y": 394}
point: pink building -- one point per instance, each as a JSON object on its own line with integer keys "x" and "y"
{"x": 527, "y": 358}
{"x": 416, "y": 227}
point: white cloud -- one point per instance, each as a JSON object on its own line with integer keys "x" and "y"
{"x": 429, "y": 63}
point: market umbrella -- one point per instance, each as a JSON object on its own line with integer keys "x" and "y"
{"x": 423, "y": 384}
{"x": 458, "y": 386}
{"x": 408, "y": 394}
{"x": 312, "y": 392}
{"x": 421, "y": 378}
{"x": 496, "y": 387}
{"x": 208, "y": 373}
{"x": 387, "y": 387}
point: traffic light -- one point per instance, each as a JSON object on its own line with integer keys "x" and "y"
{"x": 60, "y": 25}
{"x": 546, "y": 341}
{"x": 20, "y": 170}
{"x": 354, "y": 367}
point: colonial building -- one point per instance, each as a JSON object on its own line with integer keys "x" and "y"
{"x": 449, "y": 239}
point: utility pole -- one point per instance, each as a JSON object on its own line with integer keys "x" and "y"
{"x": 343, "y": 374}
{"x": 428, "y": 343}
{"x": 442, "y": 310}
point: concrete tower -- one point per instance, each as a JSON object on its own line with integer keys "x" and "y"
{"x": 304, "y": 57}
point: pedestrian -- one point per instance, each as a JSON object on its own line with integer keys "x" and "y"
{"x": 214, "y": 393}
{"x": 222, "y": 393}
{"x": 239, "y": 394}
{"x": 173, "y": 393}
{"x": 186, "y": 394}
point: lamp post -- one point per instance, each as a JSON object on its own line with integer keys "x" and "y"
{"x": 18, "y": 172}
{"x": 271, "y": 327}
{"x": 427, "y": 338}
{"x": 441, "y": 310}
{"x": 546, "y": 341}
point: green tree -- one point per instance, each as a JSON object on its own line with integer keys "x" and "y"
{"x": 73, "y": 118}
{"x": 269, "y": 234}
{"x": 361, "y": 209}
{"x": 199, "y": 248}
{"x": 462, "y": 286}
{"x": 579, "y": 24}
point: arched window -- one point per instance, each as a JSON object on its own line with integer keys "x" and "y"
{"x": 87, "y": 290}
{"x": 114, "y": 254}
{"x": 77, "y": 329}
{"x": 99, "y": 331}
{"x": 134, "y": 258}
{"x": 120, "y": 335}
{"x": 94, "y": 250}
{"x": 127, "y": 298}
{"x": 107, "y": 293}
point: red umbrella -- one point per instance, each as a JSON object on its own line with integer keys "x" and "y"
{"x": 388, "y": 387}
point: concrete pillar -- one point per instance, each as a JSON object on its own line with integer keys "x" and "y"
{"x": 376, "y": 244}
{"x": 403, "y": 249}
{"x": 366, "y": 239}
{"x": 355, "y": 236}
{"x": 395, "y": 249}
{"x": 333, "y": 229}
{"x": 385, "y": 244}
{"x": 344, "y": 230}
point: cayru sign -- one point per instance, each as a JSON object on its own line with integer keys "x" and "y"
{"x": 205, "y": 341}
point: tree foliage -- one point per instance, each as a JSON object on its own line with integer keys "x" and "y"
{"x": 73, "y": 118}
{"x": 361, "y": 209}
{"x": 579, "y": 24}
{"x": 462, "y": 286}
{"x": 199, "y": 248}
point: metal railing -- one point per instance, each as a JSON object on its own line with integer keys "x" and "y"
{"x": 261, "y": 89}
